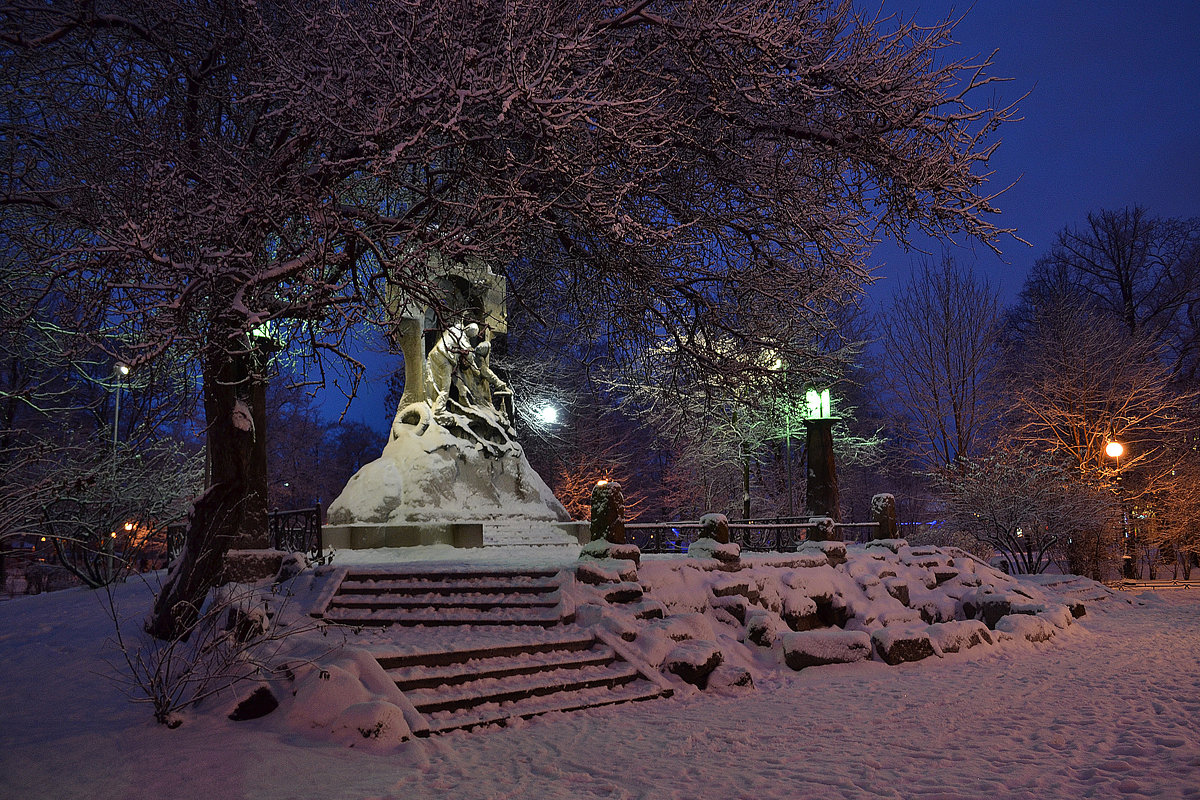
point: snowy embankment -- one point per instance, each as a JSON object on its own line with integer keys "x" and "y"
{"x": 1108, "y": 707}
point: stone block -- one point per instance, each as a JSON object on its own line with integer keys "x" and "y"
{"x": 693, "y": 661}
{"x": 896, "y": 646}
{"x": 830, "y": 646}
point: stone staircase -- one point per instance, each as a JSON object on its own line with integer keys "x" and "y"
{"x": 478, "y": 597}
{"x": 496, "y": 644}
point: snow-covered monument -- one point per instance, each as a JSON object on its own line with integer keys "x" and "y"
{"x": 452, "y": 467}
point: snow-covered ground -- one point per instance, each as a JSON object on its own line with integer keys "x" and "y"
{"x": 1109, "y": 707}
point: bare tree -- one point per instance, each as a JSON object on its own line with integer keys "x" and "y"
{"x": 1140, "y": 269}
{"x": 191, "y": 171}
{"x": 1080, "y": 381}
{"x": 940, "y": 340}
{"x": 1024, "y": 505}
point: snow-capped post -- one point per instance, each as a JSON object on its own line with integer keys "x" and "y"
{"x": 608, "y": 526}
{"x": 883, "y": 514}
{"x": 714, "y": 542}
{"x": 715, "y": 527}
{"x": 608, "y": 512}
{"x": 822, "y": 494}
{"x": 823, "y": 530}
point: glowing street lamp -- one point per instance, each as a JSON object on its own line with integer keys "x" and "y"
{"x": 1115, "y": 450}
{"x": 547, "y": 414}
{"x": 120, "y": 371}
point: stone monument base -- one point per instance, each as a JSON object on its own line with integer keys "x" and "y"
{"x": 365, "y": 535}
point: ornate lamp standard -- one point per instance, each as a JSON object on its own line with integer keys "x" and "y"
{"x": 821, "y": 495}
{"x": 1115, "y": 450}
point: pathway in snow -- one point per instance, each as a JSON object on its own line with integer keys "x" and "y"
{"x": 1109, "y": 712}
{"x": 1109, "y": 708}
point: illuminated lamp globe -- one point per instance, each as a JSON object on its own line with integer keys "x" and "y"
{"x": 1114, "y": 449}
{"x": 547, "y": 415}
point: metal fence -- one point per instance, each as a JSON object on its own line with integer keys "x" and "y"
{"x": 293, "y": 531}
{"x": 779, "y": 535}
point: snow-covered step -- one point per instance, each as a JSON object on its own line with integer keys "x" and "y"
{"x": 513, "y": 642}
{"x": 428, "y": 615}
{"x": 512, "y": 689}
{"x": 564, "y": 701}
{"x": 497, "y": 667}
{"x": 451, "y": 587}
{"x": 440, "y": 573}
{"x": 465, "y": 600}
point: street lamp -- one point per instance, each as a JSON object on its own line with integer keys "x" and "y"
{"x": 120, "y": 372}
{"x": 547, "y": 414}
{"x": 1115, "y": 450}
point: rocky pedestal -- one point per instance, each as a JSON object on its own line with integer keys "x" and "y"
{"x": 437, "y": 482}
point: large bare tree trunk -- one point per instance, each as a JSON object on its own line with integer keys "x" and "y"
{"x": 232, "y": 512}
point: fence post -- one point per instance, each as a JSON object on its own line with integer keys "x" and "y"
{"x": 319, "y": 521}
{"x": 883, "y": 514}
{"x": 608, "y": 512}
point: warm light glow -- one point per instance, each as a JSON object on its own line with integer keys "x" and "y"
{"x": 1114, "y": 449}
{"x": 43, "y": 538}
{"x": 602, "y": 482}
{"x": 122, "y": 369}
{"x": 128, "y": 526}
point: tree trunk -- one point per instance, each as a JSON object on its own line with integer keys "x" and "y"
{"x": 232, "y": 512}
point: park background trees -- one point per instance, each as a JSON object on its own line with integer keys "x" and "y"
{"x": 1098, "y": 349}
{"x": 214, "y": 181}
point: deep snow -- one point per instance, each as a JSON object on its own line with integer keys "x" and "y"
{"x": 1108, "y": 708}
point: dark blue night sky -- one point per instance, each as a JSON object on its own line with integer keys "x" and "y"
{"x": 1112, "y": 118}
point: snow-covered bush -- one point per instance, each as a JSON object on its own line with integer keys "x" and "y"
{"x": 235, "y": 638}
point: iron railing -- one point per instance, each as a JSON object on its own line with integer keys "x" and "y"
{"x": 293, "y": 531}
{"x": 780, "y": 535}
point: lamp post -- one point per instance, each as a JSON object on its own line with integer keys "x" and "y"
{"x": 1114, "y": 450}
{"x": 821, "y": 495}
{"x": 120, "y": 372}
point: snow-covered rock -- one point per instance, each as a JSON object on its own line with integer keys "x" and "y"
{"x": 830, "y": 646}
{"x": 898, "y": 645}
{"x": 693, "y": 660}
{"x": 952, "y": 637}
{"x": 727, "y": 554}
{"x": 1027, "y": 626}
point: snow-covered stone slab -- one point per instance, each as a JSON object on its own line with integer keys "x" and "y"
{"x": 898, "y": 645}
{"x": 800, "y": 612}
{"x": 730, "y": 679}
{"x": 693, "y": 661}
{"x": 608, "y": 570}
{"x": 728, "y": 554}
{"x": 1026, "y": 626}
{"x": 952, "y": 637}
{"x": 829, "y": 646}
{"x": 893, "y": 545}
{"x": 603, "y": 549}
{"x": 764, "y": 627}
{"x": 833, "y": 551}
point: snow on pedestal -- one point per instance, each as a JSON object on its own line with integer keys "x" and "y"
{"x": 440, "y": 484}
